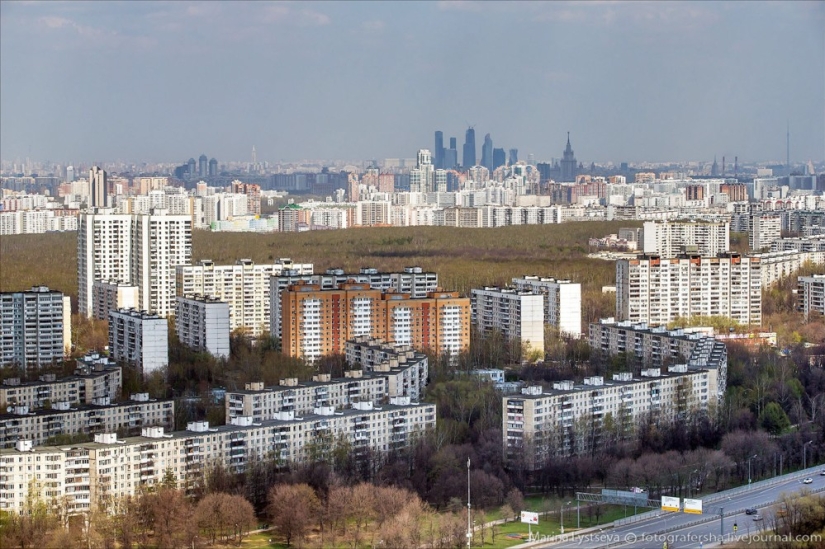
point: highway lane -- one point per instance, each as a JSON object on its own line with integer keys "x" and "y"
{"x": 680, "y": 529}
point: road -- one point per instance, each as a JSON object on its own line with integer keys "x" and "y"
{"x": 680, "y": 529}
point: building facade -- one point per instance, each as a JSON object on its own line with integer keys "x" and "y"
{"x": 202, "y": 323}
{"x": 811, "y": 295}
{"x": 140, "y": 339}
{"x": 319, "y": 321}
{"x": 140, "y": 250}
{"x": 35, "y": 327}
{"x": 668, "y": 239}
{"x": 245, "y": 286}
{"x": 562, "y": 302}
{"x": 112, "y": 295}
{"x": 84, "y": 476}
{"x": 576, "y": 419}
{"x": 518, "y": 315}
{"x": 657, "y": 290}
{"x": 95, "y": 377}
{"x": 412, "y": 280}
{"x": 102, "y": 416}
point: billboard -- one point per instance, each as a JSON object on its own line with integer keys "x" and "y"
{"x": 529, "y": 518}
{"x": 693, "y": 506}
{"x": 670, "y": 504}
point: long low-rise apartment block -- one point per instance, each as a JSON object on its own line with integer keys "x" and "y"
{"x": 572, "y": 418}
{"x": 102, "y": 416}
{"x": 658, "y": 347}
{"x": 81, "y": 475}
{"x": 387, "y": 372}
{"x": 95, "y": 377}
{"x": 777, "y": 265}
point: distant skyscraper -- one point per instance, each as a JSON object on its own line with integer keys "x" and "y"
{"x": 213, "y": 168}
{"x": 69, "y": 174}
{"x": 203, "y": 163}
{"x": 568, "y": 165}
{"x": 191, "y": 164}
{"x": 439, "y": 150}
{"x": 513, "y": 156}
{"x": 487, "y": 153}
{"x": 254, "y": 155}
{"x": 97, "y": 187}
{"x": 714, "y": 169}
{"x": 469, "y": 159}
{"x": 422, "y": 176}
{"x": 450, "y": 158}
{"x": 454, "y": 143}
{"x": 499, "y": 158}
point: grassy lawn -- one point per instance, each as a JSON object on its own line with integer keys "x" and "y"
{"x": 261, "y": 541}
{"x": 507, "y": 534}
{"x": 548, "y": 509}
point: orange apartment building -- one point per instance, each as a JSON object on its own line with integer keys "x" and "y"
{"x": 318, "y": 322}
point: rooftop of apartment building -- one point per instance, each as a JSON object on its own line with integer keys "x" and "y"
{"x": 136, "y": 313}
{"x": 152, "y": 434}
{"x": 594, "y": 383}
{"x": 64, "y": 407}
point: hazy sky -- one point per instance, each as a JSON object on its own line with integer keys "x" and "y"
{"x": 165, "y": 81}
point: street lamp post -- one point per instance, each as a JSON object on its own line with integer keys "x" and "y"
{"x": 722, "y": 525}
{"x": 469, "y": 525}
{"x": 805, "y": 454}
{"x": 562, "y": 515}
{"x": 749, "y": 467}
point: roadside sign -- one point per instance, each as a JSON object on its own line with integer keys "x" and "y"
{"x": 529, "y": 518}
{"x": 670, "y": 504}
{"x": 693, "y": 506}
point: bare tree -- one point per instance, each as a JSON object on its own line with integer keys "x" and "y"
{"x": 292, "y": 509}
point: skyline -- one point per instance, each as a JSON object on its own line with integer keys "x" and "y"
{"x": 369, "y": 80}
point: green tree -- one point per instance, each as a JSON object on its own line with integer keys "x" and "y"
{"x": 774, "y": 419}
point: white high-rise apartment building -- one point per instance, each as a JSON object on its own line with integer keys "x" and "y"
{"x": 35, "y": 327}
{"x": 142, "y": 250}
{"x": 562, "y": 302}
{"x": 669, "y": 238}
{"x": 104, "y": 252}
{"x": 764, "y": 228}
{"x": 811, "y": 294}
{"x": 518, "y": 315}
{"x": 656, "y": 290}
{"x": 139, "y": 338}
{"x": 244, "y": 286}
{"x": 202, "y": 323}
{"x": 160, "y": 243}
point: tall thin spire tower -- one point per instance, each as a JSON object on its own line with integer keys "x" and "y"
{"x": 788, "y": 149}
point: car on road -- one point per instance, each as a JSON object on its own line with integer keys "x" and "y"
{"x": 807, "y": 480}
{"x": 822, "y": 473}
{"x": 757, "y": 518}
{"x": 751, "y": 511}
